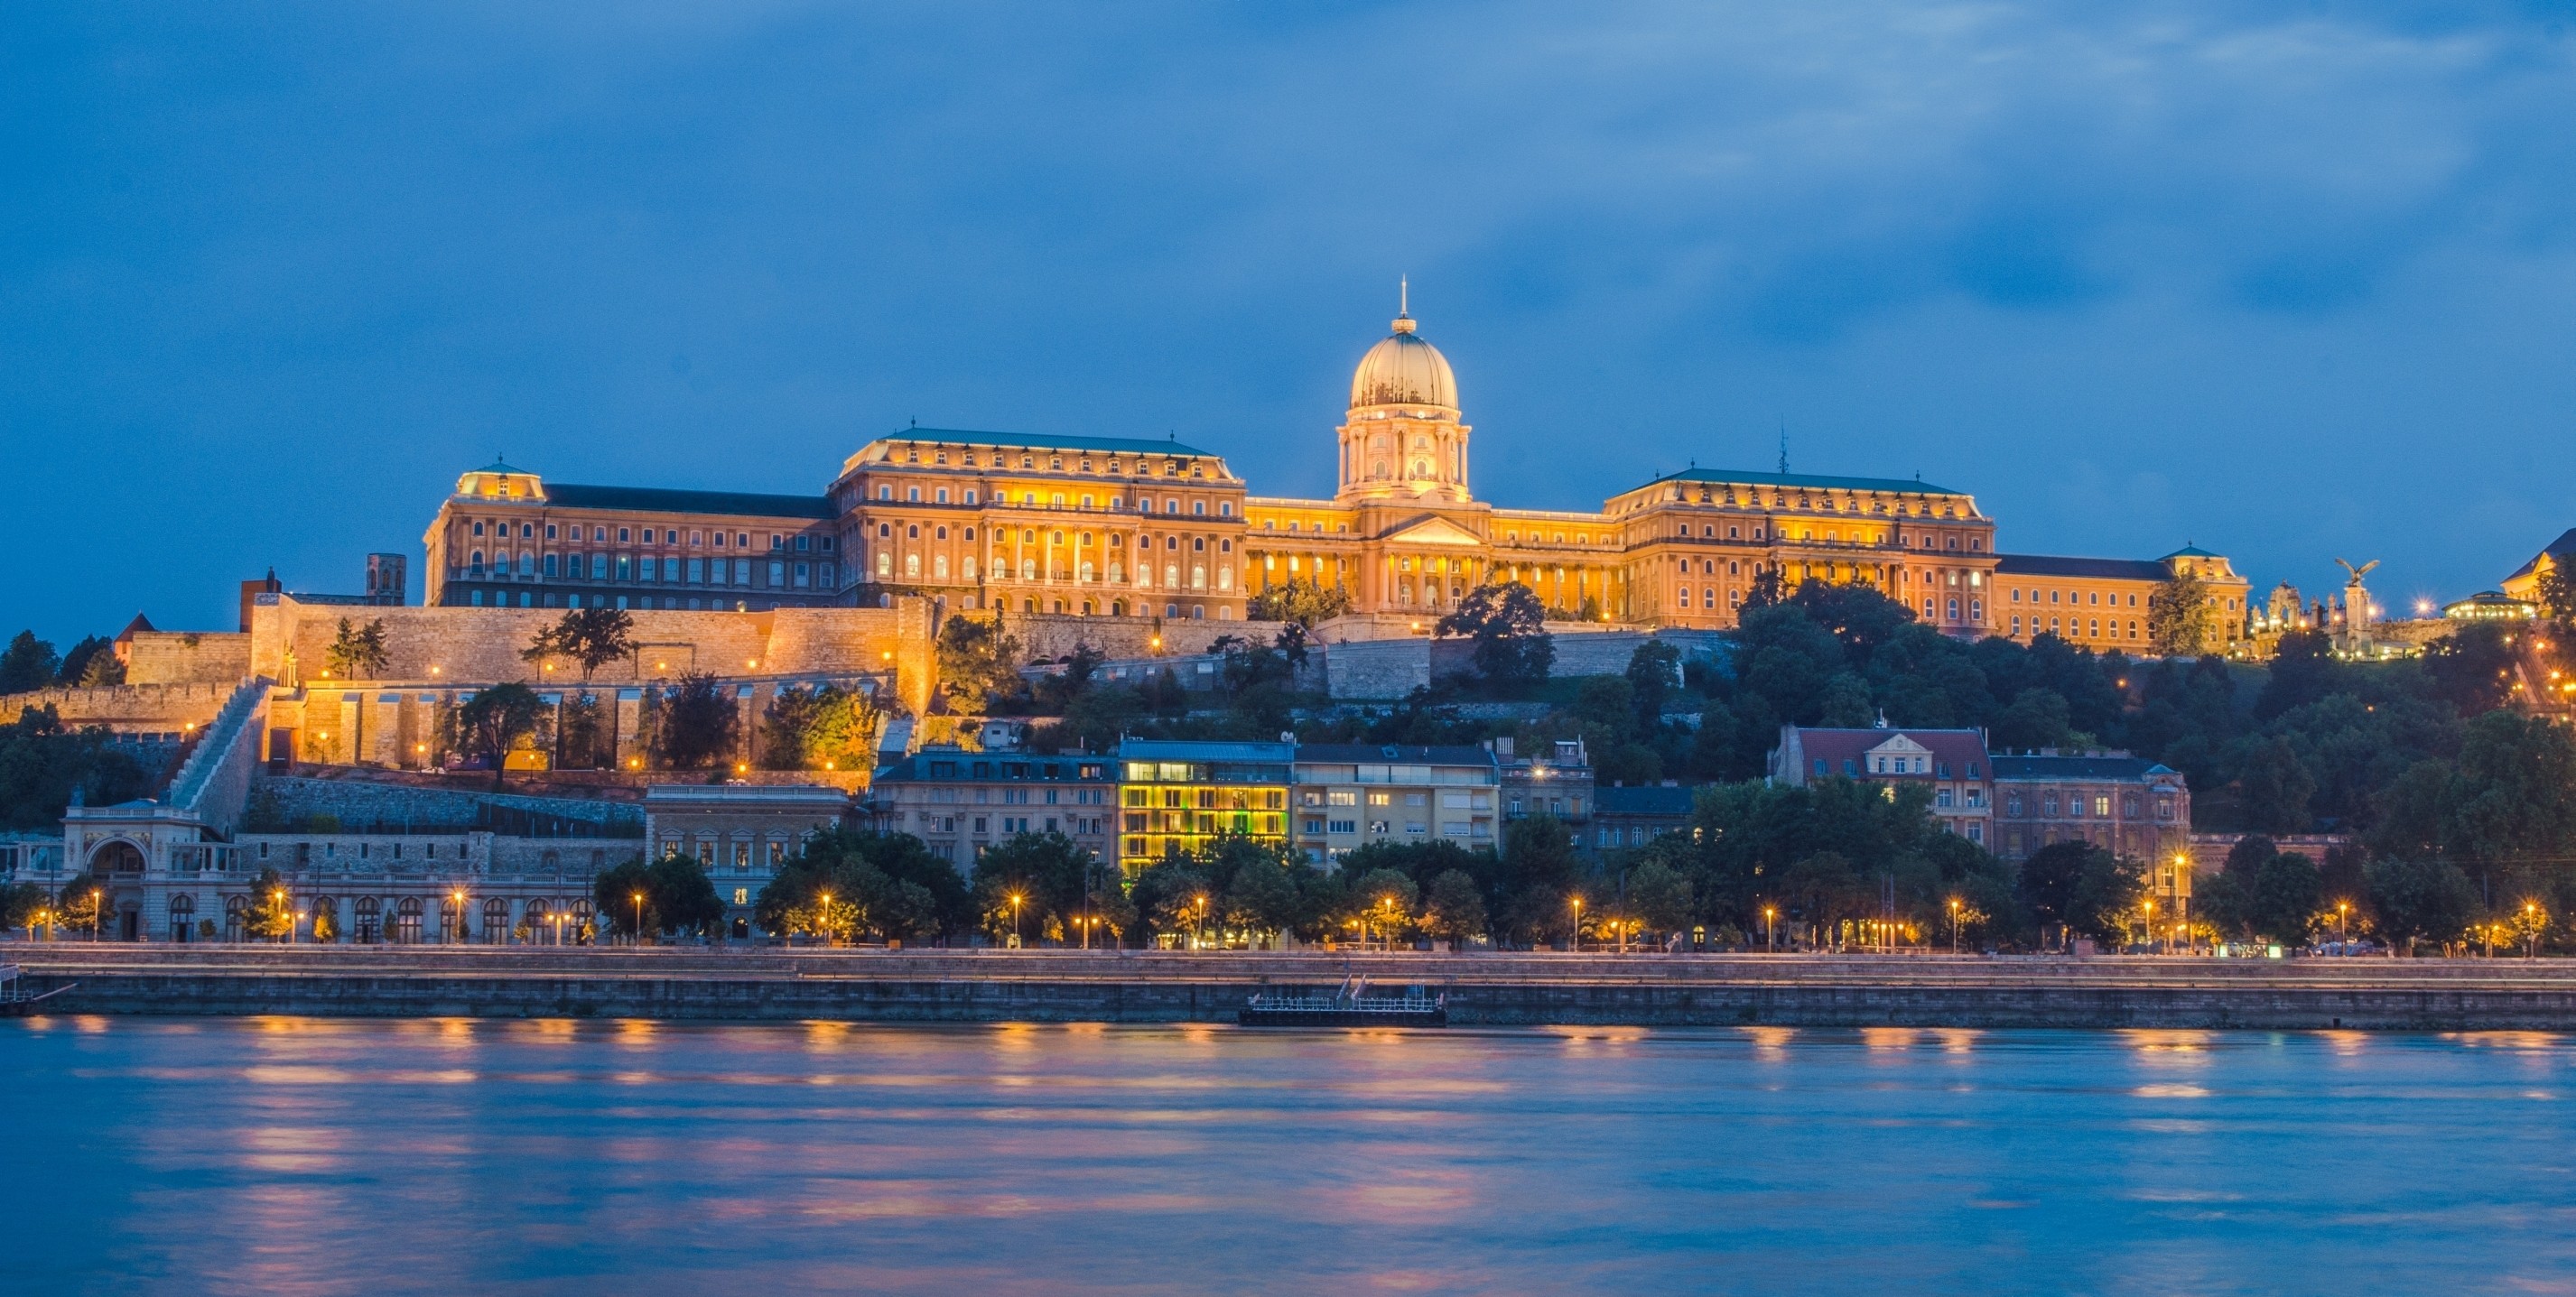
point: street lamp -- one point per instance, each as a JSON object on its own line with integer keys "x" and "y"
{"x": 97, "y": 905}
{"x": 1574, "y": 939}
{"x": 2343, "y": 926}
{"x": 639, "y": 918}
{"x": 1202, "y": 934}
{"x": 2149, "y": 905}
{"x": 458, "y": 935}
{"x": 1768, "y": 946}
{"x": 1954, "y": 925}
{"x": 1016, "y": 943}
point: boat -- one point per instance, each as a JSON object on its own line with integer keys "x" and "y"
{"x": 14, "y": 1001}
{"x": 1350, "y": 1005}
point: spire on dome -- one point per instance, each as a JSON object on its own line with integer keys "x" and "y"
{"x": 1403, "y": 304}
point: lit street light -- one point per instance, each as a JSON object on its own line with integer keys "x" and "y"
{"x": 639, "y": 918}
{"x": 1016, "y": 943}
{"x": 1768, "y": 946}
{"x": 1574, "y": 939}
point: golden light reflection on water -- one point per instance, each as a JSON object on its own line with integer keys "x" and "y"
{"x": 464, "y": 1156}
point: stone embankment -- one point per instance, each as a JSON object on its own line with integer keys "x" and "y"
{"x": 1141, "y": 986}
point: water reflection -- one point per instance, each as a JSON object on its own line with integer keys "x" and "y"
{"x": 294, "y": 1155}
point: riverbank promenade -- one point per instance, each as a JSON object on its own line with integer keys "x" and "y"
{"x": 1498, "y": 989}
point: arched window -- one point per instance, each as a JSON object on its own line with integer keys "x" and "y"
{"x": 496, "y": 921}
{"x": 939, "y": 567}
{"x": 911, "y": 565}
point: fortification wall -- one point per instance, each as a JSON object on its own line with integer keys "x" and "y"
{"x": 188, "y": 657}
{"x": 1046, "y": 636}
{"x": 465, "y": 646}
{"x": 150, "y": 707}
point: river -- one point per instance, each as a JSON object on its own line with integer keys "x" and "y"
{"x": 327, "y": 1156}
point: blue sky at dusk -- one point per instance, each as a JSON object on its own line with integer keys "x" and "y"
{"x": 2291, "y": 282}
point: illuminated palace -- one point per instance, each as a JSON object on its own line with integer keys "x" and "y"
{"x": 1141, "y": 528}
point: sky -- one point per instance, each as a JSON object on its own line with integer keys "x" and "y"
{"x": 2291, "y": 282}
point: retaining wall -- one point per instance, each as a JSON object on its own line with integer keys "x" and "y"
{"x": 946, "y": 986}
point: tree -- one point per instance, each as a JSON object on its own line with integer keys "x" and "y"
{"x": 1300, "y": 602}
{"x": 1050, "y": 873}
{"x": 19, "y": 903}
{"x": 1654, "y": 673}
{"x": 1661, "y": 896}
{"x": 1509, "y": 627}
{"x": 2179, "y": 615}
{"x": 271, "y": 915}
{"x": 27, "y": 664}
{"x": 1456, "y": 908}
{"x": 677, "y": 896}
{"x": 2036, "y": 719}
{"x": 1384, "y": 901}
{"x": 582, "y": 735}
{"x": 42, "y": 763}
{"x": 494, "y": 722}
{"x": 978, "y": 660}
{"x": 79, "y": 903}
{"x": 819, "y": 728}
{"x": 357, "y": 652}
{"x": 590, "y": 638}
{"x": 697, "y": 724}
{"x": 2081, "y": 888}
{"x": 2276, "y": 787}
{"x": 2421, "y": 900}
{"x": 1538, "y": 874}
{"x": 2283, "y": 902}
{"x": 90, "y": 663}
{"x": 1262, "y": 897}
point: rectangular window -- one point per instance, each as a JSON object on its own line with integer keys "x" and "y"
{"x": 777, "y": 575}
{"x": 697, "y": 571}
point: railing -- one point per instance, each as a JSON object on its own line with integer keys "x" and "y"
{"x": 217, "y": 749}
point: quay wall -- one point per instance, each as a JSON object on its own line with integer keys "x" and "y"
{"x": 1142, "y": 987}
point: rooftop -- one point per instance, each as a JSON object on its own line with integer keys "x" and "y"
{"x": 1047, "y": 441}
{"x": 1463, "y": 754}
{"x": 1198, "y": 750}
{"x": 2125, "y": 569}
{"x": 1670, "y": 803}
{"x": 2077, "y": 767}
{"x": 1802, "y": 481}
{"x": 652, "y": 499}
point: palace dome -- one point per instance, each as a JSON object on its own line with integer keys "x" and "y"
{"x": 1403, "y": 369}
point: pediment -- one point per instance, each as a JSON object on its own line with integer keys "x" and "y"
{"x": 1432, "y": 529}
{"x": 1900, "y": 745}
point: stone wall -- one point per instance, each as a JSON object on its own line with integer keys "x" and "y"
{"x": 1383, "y": 669}
{"x": 188, "y": 657}
{"x": 291, "y": 641}
{"x": 1135, "y": 986}
{"x": 1048, "y": 636}
{"x": 356, "y": 802}
{"x": 149, "y": 708}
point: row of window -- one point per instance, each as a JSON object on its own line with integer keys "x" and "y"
{"x": 2076, "y": 805}
{"x": 2075, "y": 626}
{"x": 1055, "y": 463}
{"x": 667, "y": 570}
{"x": 1753, "y": 500}
{"x": 697, "y": 538}
{"x": 1173, "y": 505}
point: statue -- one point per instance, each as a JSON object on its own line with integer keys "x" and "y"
{"x": 2356, "y": 599}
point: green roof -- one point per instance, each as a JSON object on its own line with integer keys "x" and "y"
{"x": 2192, "y": 551}
{"x": 1807, "y": 482}
{"x": 1047, "y": 441}
{"x": 567, "y": 495}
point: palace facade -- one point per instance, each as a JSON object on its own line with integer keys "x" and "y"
{"x": 1138, "y": 528}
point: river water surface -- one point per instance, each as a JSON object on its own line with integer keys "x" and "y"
{"x": 311, "y": 1156}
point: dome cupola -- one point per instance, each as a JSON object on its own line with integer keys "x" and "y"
{"x": 1403, "y": 369}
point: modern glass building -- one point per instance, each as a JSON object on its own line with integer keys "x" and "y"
{"x": 1176, "y": 797}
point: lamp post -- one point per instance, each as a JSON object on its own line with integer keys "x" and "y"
{"x": 1954, "y": 926}
{"x": 2148, "y": 906}
{"x": 639, "y": 918}
{"x": 97, "y": 905}
{"x": 1202, "y": 924}
{"x": 2530, "y": 935}
{"x": 1574, "y": 939}
{"x": 1769, "y": 947}
{"x": 823, "y": 899}
{"x": 1016, "y": 943}
{"x": 2343, "y": 920}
